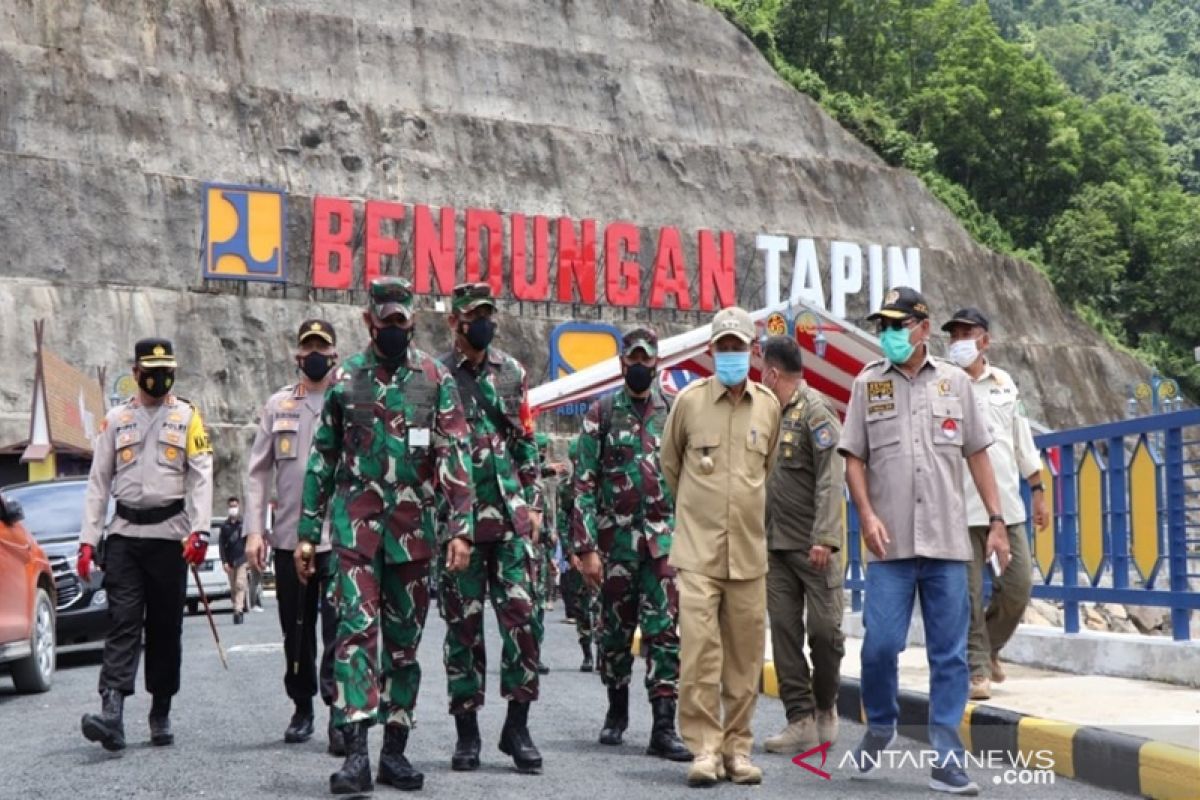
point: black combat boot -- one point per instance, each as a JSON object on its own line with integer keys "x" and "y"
{"x": 300, "y": 728}
{"x": 466, "y": 749}
{"x": 337, "y": 744}
{"x": 587, "y": 665}
{"x": 160, "y": 722}
{"x": 664, "y": 742}
{"x": 355, "y": 775}
{"x": 107, "y": 727}
{"x": 542, "y": 668}
{"x": 617, "y": 718}
{"x": 394, "y": 769}
{"x": 516, "y": 742}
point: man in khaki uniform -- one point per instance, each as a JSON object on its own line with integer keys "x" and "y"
{"x": 1013, "y": 455}
{"x": 717, "y": 450}
{"x": 912, "y": 424}
{"x": 278, "y": 459}
{"x": 152, "y": 454}
{"x": 804, "y": 536}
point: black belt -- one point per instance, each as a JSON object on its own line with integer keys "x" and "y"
{"x": 150, "y": 516}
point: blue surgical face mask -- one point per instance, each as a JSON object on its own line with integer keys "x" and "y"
{"x": 732, "y": 367}
{"x": 896, "y": 345}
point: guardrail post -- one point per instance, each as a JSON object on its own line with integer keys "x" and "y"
{"x": 1118, "y": 512}
{"x": 1068, "y": 538}
{"x": 854, "y": 542}
{"x": 1176, "y": 530}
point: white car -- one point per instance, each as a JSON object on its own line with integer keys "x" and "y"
{"x": 212, "y": 576}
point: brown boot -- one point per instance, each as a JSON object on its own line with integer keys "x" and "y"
{"x": 998, "y": 675}
{"x": 981, "y": 688}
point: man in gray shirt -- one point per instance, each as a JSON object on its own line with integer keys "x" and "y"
{"x": 912, "y": 424}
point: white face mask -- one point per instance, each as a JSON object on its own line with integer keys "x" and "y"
{"x": 963, "y": 352}
{"x": 234, "y": 511}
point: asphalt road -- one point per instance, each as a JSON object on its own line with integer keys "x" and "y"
{"x": 229, "y": 736}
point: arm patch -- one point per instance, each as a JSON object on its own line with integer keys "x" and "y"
{"x": 823, "y": 437}
{"x": 197, "y": 437}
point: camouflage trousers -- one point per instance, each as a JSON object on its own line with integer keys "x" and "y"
{"x": 542, "y": 580}
{"x": 373, "y": 684}
{"x": 584, "y": 606}
{"x": 642, "y": 592}
{"x": 501, "y": 571}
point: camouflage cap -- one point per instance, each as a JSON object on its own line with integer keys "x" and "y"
{"x": 318, "y": 329}
{"x": 468, "y": 296}
{"x": 150, "y": 353}
{"x": 641, "y": 337}
{"x": 389, "y": 296}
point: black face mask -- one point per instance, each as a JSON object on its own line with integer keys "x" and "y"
{"x": 479, "y": 332}
{"x": 638, "y": 377}
{"x": 392, "y": 342}
{"x": 156, "y": 382}
{"x": 316, "y": 366}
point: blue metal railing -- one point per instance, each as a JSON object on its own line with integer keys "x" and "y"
{"x": 1126, "y": 500}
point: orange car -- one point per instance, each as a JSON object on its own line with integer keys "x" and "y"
{"x": 26, "y": 604}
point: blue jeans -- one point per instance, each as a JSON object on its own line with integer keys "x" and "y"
{"x": 946, "y": 611}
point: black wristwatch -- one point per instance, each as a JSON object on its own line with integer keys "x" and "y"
{"x": 1037, "y": 488}
{"x": 996, "y": 518}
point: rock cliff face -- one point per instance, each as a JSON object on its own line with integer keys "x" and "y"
{"x": 114, "y": 113}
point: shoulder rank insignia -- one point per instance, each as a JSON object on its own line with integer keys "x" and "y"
{"x": 823, "y": 436}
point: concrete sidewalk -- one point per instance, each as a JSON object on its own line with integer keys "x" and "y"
{"x": 1137, "y": 736}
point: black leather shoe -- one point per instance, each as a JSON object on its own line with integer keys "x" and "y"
{"x": 107, "y": 727}
{"x": 587, "y": 665}
{"x": 355, "y": 775}
{"x": 394, "y": 769}
{"x": 237, "y": 618}
{"x": 617, "y": 718}
{"x": 337, "y": 744}
{"x": 515, "y": 740}
{"x": 664, "y": 741}
{"x": 542, "y": 668}
{"x": 466, "y": 749}
{"x": 300, "y": 729}
{"x": 160, "y": 722}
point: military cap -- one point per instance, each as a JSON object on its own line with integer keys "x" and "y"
{"x": 468, "y": 296}
{"x": 642, "y": 337}
{"x": 967, "y": 316}
{"x": 732, "y": 321}
{"x": 391, "y": 295}
{"x": 902, "y": 302}
{"x": 317, "y": 328}
{"x": 150, "y": 353}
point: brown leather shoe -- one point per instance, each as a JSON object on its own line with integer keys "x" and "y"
{"x": 981, "y": 688}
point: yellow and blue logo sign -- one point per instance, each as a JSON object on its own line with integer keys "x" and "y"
{"x": 578, "y": 345}
{"x": 244, "y": 230}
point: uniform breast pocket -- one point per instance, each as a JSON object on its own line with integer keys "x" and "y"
{"x": 616, "y": 457}
{"x": 883, "y": 431}
{"x": 702, "y": 451}
{"x": 759, "y": 447}
{"x": 285, "y": 433}
{"x": 947, "y": 421}
{"x": 128, "y": 449}
{"x": 171, "y": 452}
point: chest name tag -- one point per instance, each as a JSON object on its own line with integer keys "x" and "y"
{"x": 418, "y": 437}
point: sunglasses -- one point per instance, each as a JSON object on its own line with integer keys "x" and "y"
{"x": 895, "y": 324}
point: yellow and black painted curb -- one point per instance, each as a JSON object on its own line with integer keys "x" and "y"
{"x": 1118, "y": 761}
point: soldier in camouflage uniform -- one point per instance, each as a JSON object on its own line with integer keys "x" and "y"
{"x": 389, "y": 449}
{"x": 624, "y": 508}
{"x": 542, "y": 570}
{"x": 507, "y": 514}
{"x": 582, "y": 598}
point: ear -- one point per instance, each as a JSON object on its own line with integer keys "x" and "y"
{"x": 367, "y": 319}
{"x": 756, "y": 349}
{"x": 452, "y": 321}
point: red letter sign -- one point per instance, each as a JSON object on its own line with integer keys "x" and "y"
{"x": 328, "y": 242}
{"x": 537, "y": 289}
{"x": 576, "y": 264}
{"x": 670, "y": 273}
{"x": 716, "y": 279}
{"x": 428, "y": 252}
{"x": 379, "y": 245}
{"x": 490, "y": 220}
{"x": 622, "y": 279}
